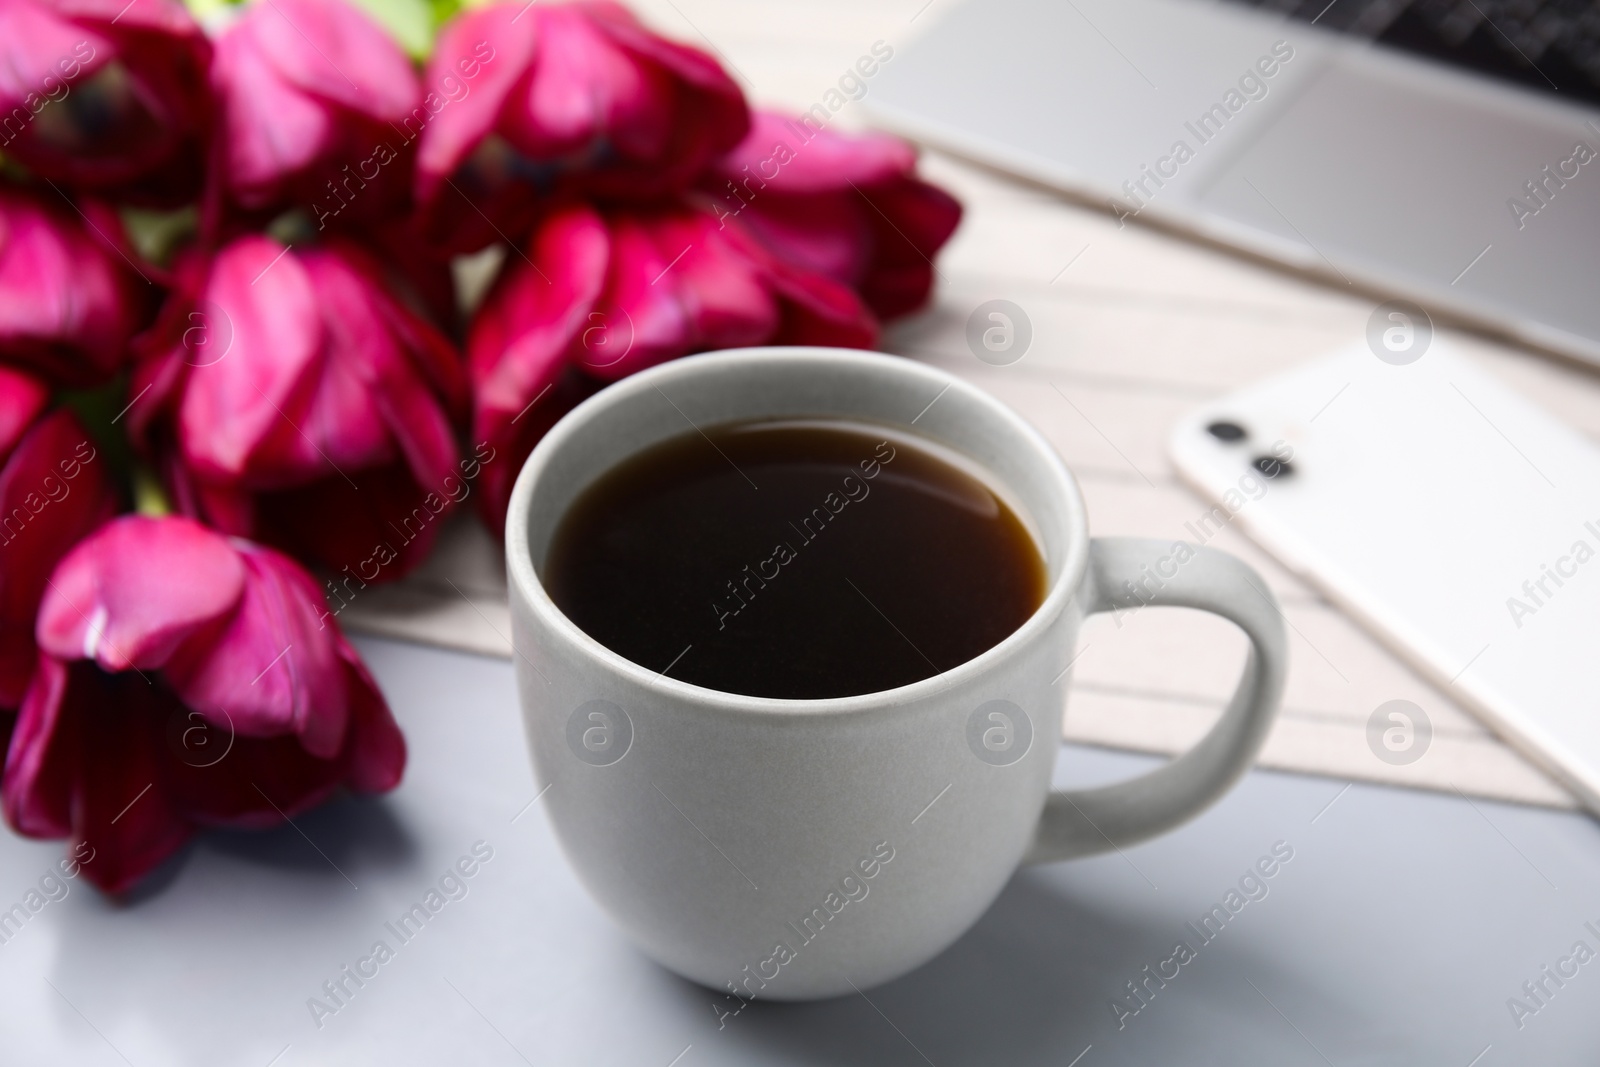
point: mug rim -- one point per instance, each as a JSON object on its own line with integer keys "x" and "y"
{"x": 524, "y": 578}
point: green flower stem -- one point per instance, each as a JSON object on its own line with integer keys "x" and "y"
{"x": 149, "y": 498}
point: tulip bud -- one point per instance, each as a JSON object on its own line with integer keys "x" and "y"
{"x": 106, "y": 95}
{"x": 71, "y": 299}
{"x": 293, "y": 400}
{"x": 526, "y": 100}
{"x": 313, "y": 95}
{"x": 186, "y": 680}
{"x": 608, "y": 293}
{"x": 848, "y": 206}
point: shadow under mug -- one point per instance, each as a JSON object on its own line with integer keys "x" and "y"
{"x": 795, "y": 849}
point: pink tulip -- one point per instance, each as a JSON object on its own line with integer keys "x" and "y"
{"x": 293, "y": 400}
{"x": 845, "y": 205}
{"x": 315, "y": 98}
{"x": 105, "y": 94}
{"x": 607, "y": 294}
{"x": 54, "y": 489}
{"x": 70, "y": 300}
{"x": 553, "y": 98}
{"x": 186, "y": 680}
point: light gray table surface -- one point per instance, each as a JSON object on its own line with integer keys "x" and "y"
{"x": 1395, "y": 935}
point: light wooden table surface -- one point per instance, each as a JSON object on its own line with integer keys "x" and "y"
{"x": 1132, "y": 327}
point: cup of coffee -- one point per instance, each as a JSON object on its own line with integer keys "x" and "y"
{"x": 793, "y": 630}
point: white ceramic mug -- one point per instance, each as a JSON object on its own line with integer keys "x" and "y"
{"x": 792, "y": 849}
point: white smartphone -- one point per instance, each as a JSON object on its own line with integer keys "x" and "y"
{"x": 1457, "y": 521}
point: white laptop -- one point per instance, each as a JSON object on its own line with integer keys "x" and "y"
{"x": 1443, "y": 150}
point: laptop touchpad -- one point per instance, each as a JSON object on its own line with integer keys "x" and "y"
{"x": 1407, "y": 173}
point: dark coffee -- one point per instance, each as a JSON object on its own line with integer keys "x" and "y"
{"x": 798, "y": 559}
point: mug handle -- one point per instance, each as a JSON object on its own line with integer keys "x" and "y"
{"x": 1083, "y": 822}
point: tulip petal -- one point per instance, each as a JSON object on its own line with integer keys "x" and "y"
{"x": 583, "y": 87}
{"x": 424, "y": 435}
{"x": 913, "y": 219}
{"x": 720, "y": 285}
{"x": 820, "y": 311}
{"x": 848, "y": 206}
{"x": 827, "y": 233}
{"x": 385, "y": 399}
{"x": 124, "y": 823}
{"x": 54, "y": 490}
{"x": 431, "y": 353}
{"x": 684, "y": 283}
{"x": 331, "y": 49}
{"x": 657, "y": 320}
{"x": 22, "y": 398}
{"x": 39, "y": 764}
{"x": 87, "y": 761}
{"x": 795, "y": 158}
{"x": 228, "y": 509}
{"x": 271, "y": 128}
{"x": 113, "y": 598}
{"x": 72, "y": 310}
{"x": 503, "y": 455}
{"x": 261, "y": 781}
{"x": 376, "y": 757}
{"x": 164, "y": 16}
{"x": 501, "y": 33}
{"x": 536, "y": 312}
{"x": 692, "y": 65}
{"x": 337, "y": 423}
{"x": 273, "y": 669}
{"x": 233, "y": 410}
{"x": 707, "y": 112}
{"x": 33, "y": 39}
{"x": 264, "y": 780}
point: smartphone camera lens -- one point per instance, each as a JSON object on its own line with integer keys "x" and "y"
{"x": 1272, "y": 466}
{"x": 1226, "y": 431}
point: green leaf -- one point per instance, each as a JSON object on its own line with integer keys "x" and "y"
{"x": 445, "y": 10}
{"x": 156, "y": 235}
{"x": 411, "y": 22}
{"x": 206, "y": 10}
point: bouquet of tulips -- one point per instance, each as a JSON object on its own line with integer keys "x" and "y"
{"x": 235, "y": 353}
